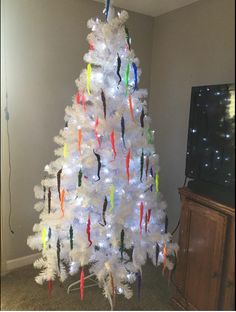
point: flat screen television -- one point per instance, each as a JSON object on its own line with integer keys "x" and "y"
{"x": 210, "y": 158}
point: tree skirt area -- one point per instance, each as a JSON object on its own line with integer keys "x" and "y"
{"x": 19, "y": 291}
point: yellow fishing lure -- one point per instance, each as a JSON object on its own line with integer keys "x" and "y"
{"x": 89, "y": 71}
{"x": 65, "y": 151}
{"x": 44, "y": 238}
{"x": 112, "y": 196}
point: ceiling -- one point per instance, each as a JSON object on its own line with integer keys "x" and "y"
{"x": 150, "y": 7}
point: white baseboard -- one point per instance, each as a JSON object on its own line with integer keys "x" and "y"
{"x": 20, "y": 262}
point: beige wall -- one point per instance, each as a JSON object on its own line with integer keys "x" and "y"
{"x": 192, "y": 46}
{"x": 45, "y": 44}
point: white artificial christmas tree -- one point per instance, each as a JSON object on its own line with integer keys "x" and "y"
{"x": 101, "y": 195}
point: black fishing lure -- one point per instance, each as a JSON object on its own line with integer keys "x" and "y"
{"x": 142, "y": 118}
{"x": 157, "y": 253}
{"x": 104, "y": 211}
{"x": 49, "y": 233}
{"x": 122, "y": 236}
{"x": 49, "y": 200}
{"x": 80, "y": 175}
{"x": 44, "y": 192}
{"x": 141, "y": 166}
{"x": 71, "y": 237}
{"x": 123, "y": 130}
{"x": 118, "y": 68}
{"x": 59, "y": 183}
{"x": 104, "y": 104}
{"x": 166, "y": 224}
{"x": 58, "y": 255}
{"x": 99, "y": 164}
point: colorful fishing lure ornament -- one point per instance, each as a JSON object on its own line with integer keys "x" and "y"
{"x": 99, "y": 164}
{"x": 44, "y": 238}
{"x": 112, "y": 197}
{"x": 58, "y": 255}
{"x": 82, "y": 284}
{"x": 49, "y": 199}
{"x": 135, "y": 76}
{"x": 141, "y": 208}
{"x": 89, "y": 72}
{"x": 112, "y": 139}
{"x": 104, "y": 211}
{"x": 118, "y": 68}
{"x": 141, "y": 166}
{"x": 71, "y": 237}
{"x": 128, "y": 164}
{"x": 96, "y": 132}
{"x": 65, "y": 151}
{"x": 157, "y": 253}
{"x": 80, "y": 175}
{"x": 59, "y": 183}
{"x": 142, "y": 118}
{"x": 104, "y": 104}
{"x": 165, "y": 257}
{"x": 139, "y": 281}
{"x": 131, "y": 107}
{"x": 77, "y": 97}
{"x": 88, "y": 230}
{"x": 107, "y": 9}
{"x": 122, "y": 237}
{"x": 44, "y": 192}
{"x": 123, "y": 130}
{"x": 127, "y": 77}
{"x": 50, "y": 288}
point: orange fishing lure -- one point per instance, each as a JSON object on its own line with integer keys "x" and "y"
{"x": 131, "y": 107}
{"x": 62, "y": 201}
{"x": 80, "y": 137}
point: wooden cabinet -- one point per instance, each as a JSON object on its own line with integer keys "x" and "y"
{"x": 204, "y": 276}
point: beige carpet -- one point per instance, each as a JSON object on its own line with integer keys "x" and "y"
{"x": 19, "y": 291}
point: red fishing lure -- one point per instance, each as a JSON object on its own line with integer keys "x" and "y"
{"x": 77, "y": 97}
{"x": 84, "y": 102}
{"x": 96, "y": 132}
{"x": 112, "y": 139}
{"x": 141, "y": 217}
{"x": 127, "y": 164}
{"x": 82, "y": 284}
{"x": 149, "y": 215}
{"x": 88, "y": 231}
{"x": 49, "y": 288}
{"x": 91, "y": 46}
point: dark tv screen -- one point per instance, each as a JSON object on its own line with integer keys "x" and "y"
{"x": 211, "y": 137}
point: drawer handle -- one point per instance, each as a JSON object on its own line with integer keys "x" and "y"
{"x": 229, "y": 284}
{"x": 215, "y": 274}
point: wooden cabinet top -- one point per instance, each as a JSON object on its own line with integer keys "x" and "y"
{"x": 186, "y": 193}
